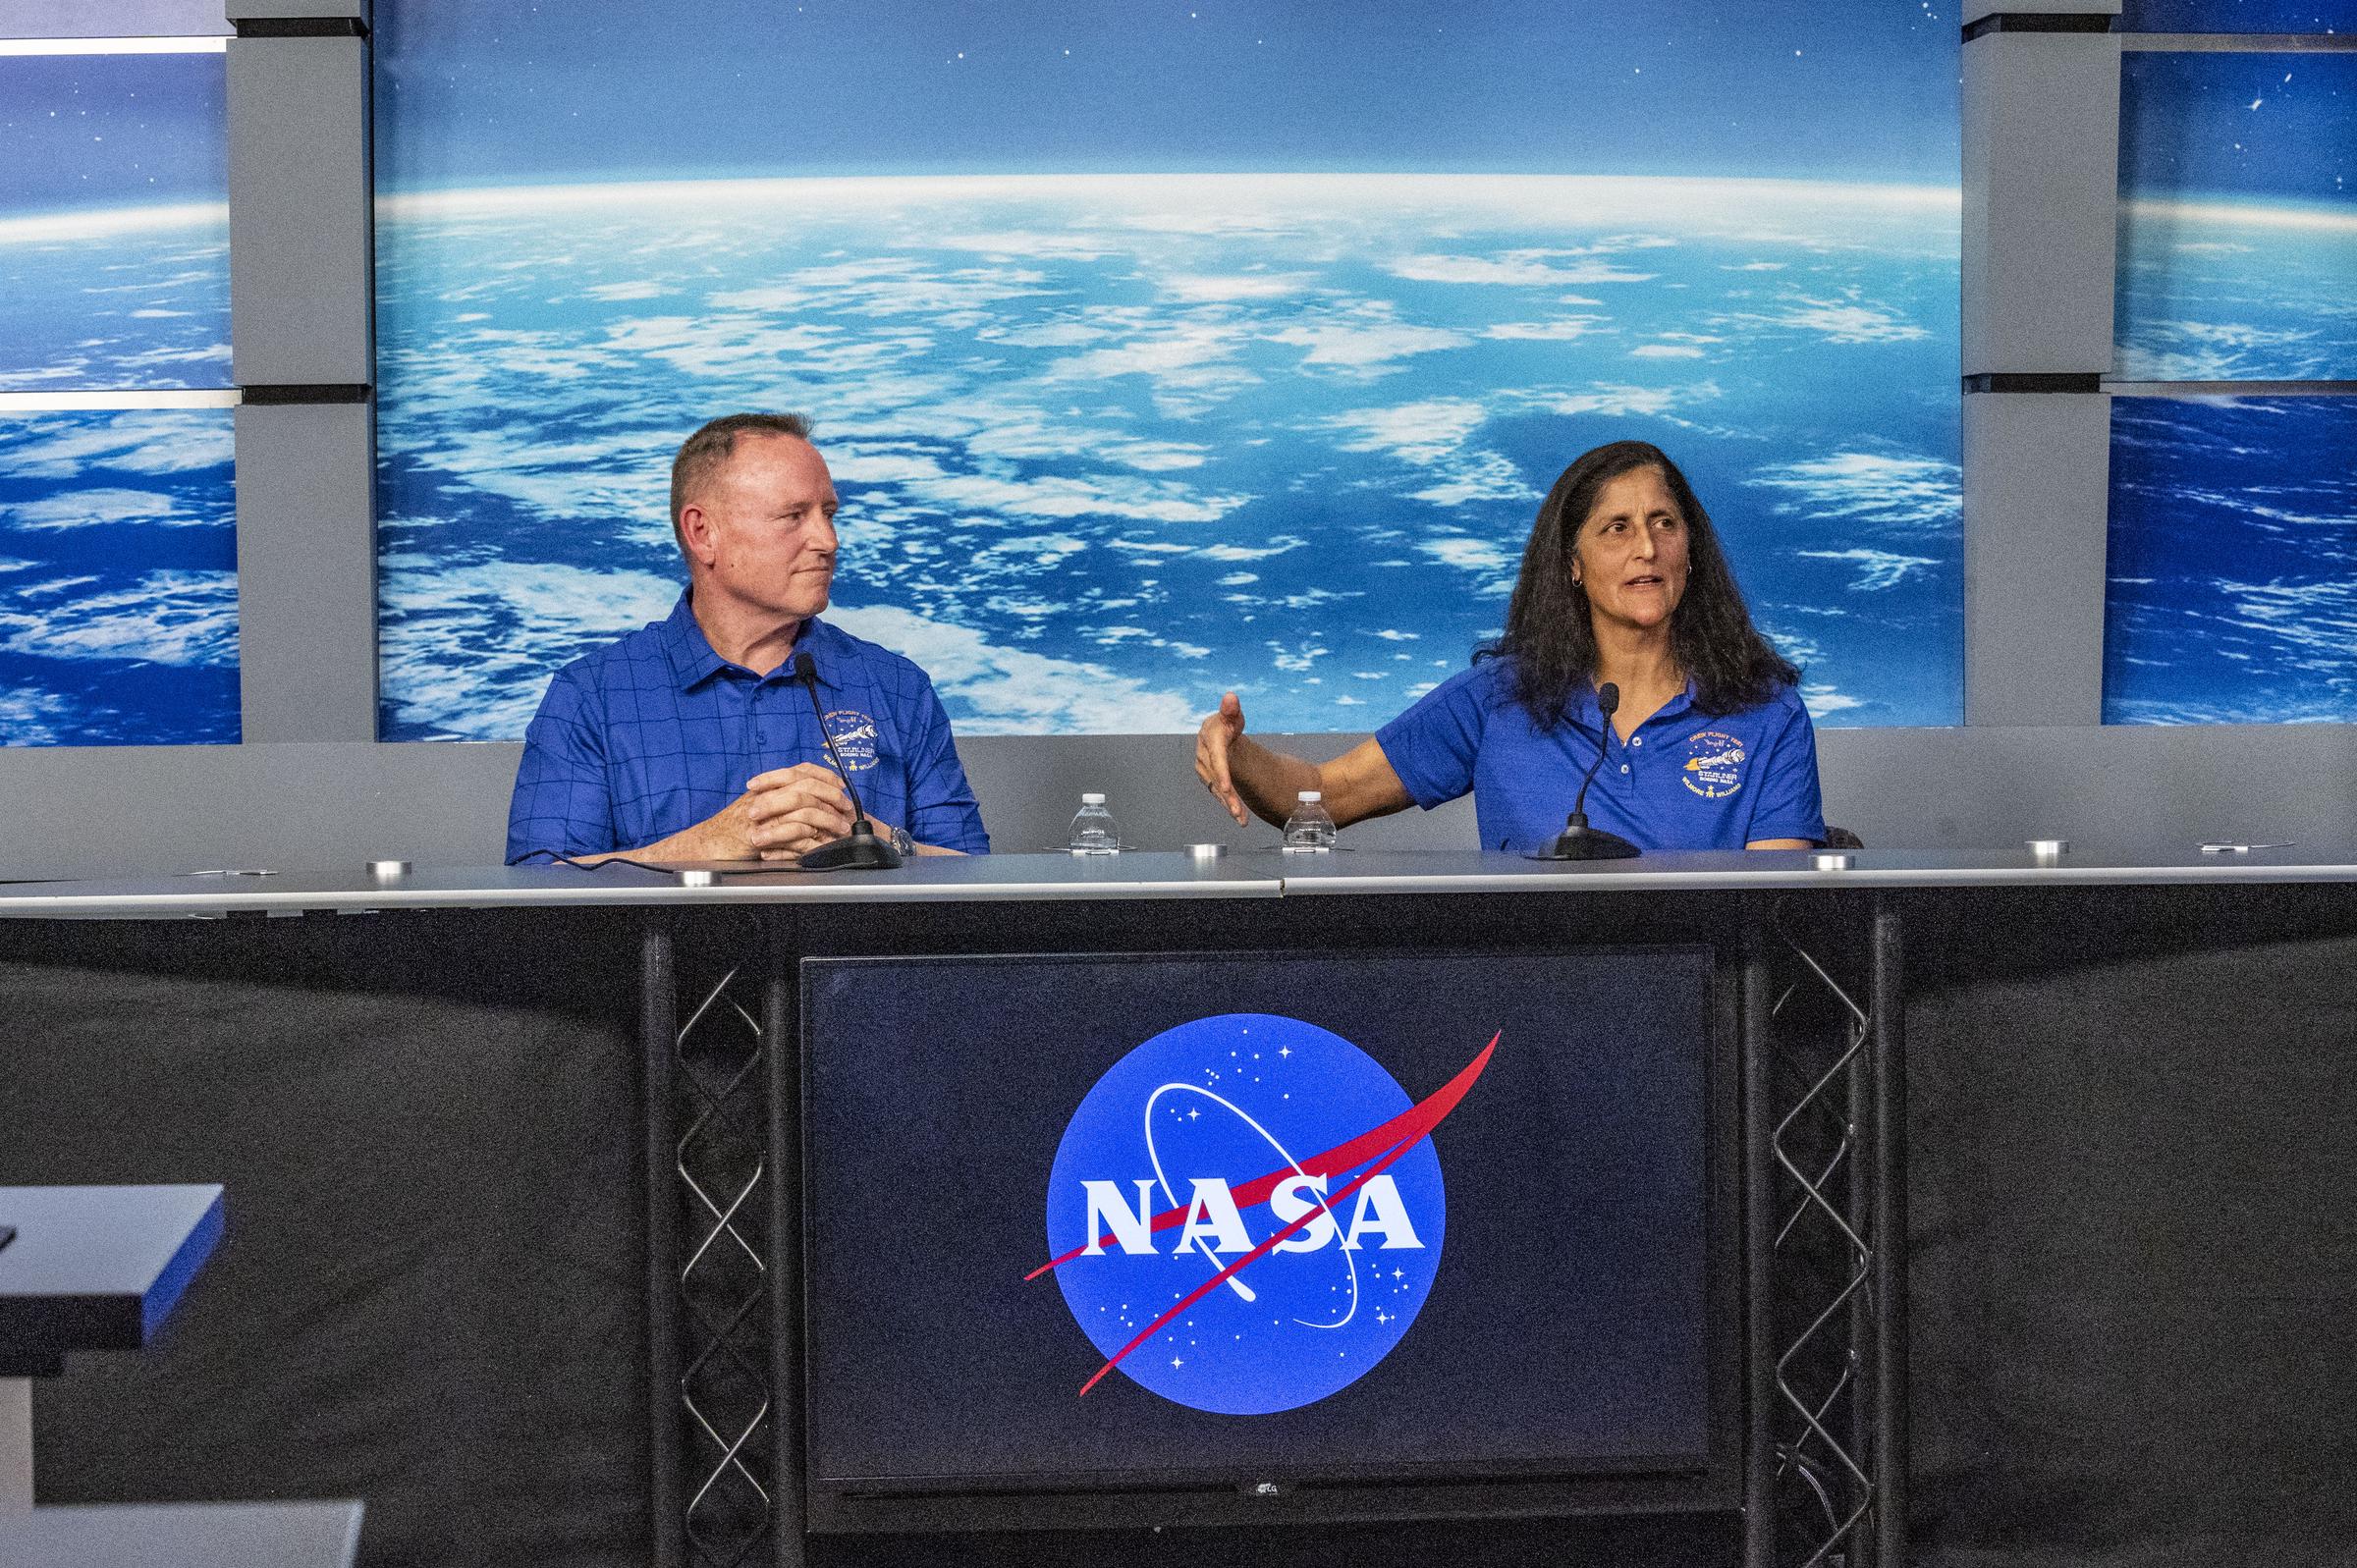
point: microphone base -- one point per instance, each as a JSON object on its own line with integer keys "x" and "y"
{"x": 1580, "y": 842}
{"x": 858, "y": 850}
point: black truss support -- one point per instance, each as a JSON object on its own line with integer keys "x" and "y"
{"x": 709, "y": 1128}
{"x": 1827, "y": 1205}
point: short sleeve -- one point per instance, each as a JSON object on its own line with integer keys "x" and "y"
{"x": 1433, "y": 746}
{"x": 941, "y": 809}
{"x": 1789, "y": 806}
{"x": 561, "y": 804}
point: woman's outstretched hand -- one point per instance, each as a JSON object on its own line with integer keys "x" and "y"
{"x": 1220, "y": 733}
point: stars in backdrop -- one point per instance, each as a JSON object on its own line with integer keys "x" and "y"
{"x": 852, "y": 86}
{"x": 2238, "y": 126}
{"x": 81, "y": 130}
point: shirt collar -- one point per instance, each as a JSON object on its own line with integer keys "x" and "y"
{"x": 689, "y": 651}
{"x": 1585, "y": 712}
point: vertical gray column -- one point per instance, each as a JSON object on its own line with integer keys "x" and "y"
{"x": 303, "y": 353}
{"x": 2036, "y": 497}
{"x": 2041, "y": 104}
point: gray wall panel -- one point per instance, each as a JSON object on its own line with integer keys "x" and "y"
{"x": 2041, "y": 177}
{"x": 300, "y": 279}
{"x": 101, "y": 811}
{"x": 307, "y": 573}
{"x": 111, "y": 19}
{"x": 2037, "y": 486}
{"x": 94, "y": 811}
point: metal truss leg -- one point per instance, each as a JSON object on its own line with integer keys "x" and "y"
{"x": 1825, "y": 1109}
{"x": 710, "y": 1213}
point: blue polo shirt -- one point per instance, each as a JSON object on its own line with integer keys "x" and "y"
{"x": 1685, "y": 780}
{"x": 655, "y": 733}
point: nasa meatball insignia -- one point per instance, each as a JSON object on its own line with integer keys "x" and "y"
{"x": 1246, "y": 1212}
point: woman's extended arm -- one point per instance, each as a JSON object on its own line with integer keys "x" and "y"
{"x": 1245, "y": 774}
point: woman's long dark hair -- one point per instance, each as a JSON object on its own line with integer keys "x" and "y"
{"x": 1547, "y": 632}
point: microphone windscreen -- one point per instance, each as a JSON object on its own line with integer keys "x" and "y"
{"x": 1608, "y": 699}
{"x": 805, "y": 667}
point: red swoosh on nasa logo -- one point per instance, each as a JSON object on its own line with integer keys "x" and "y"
{"x": 1411, "y": 1123}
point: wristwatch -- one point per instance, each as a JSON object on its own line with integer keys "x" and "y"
{"x": 902, "y": 843}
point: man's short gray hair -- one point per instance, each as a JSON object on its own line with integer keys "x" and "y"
{"x": 708, "y": 451}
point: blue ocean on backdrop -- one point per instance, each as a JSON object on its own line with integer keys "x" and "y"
{"x": 1109, "y": 445}
{"x": 2233, "y": 528}
{"x": 114, "y": 222}
{"x": 118, "y": 551}
{"x": 2233, "y": 561}
{"x": 134, "y": 299}
{"x": 2225, "y": 291}
{"x": 118, "y": 578}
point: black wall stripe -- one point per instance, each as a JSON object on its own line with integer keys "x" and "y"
{"x": 2002, "y": 382}
{"x": 2035, "y": 22}
{"x": 302, "y": 27}
{"x": 335, "y": 393}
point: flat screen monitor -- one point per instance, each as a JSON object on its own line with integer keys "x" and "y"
{"x": 1107, "y": 1239}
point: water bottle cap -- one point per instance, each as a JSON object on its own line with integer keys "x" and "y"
{"x": 1310, "y": 797}
{"x": 1092, "y": 800}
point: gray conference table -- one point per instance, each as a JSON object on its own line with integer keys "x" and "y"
{"x": 1807, "y": 921}
{"x": 1159, "y": 875}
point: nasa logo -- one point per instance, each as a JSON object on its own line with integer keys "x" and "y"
{"x": 1245, "y": 1214}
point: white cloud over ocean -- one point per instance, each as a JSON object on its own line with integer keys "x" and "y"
{"x": 164, "y": 617}
{"x": 1011, "y": 691}
{"x": 1900, "y": 490}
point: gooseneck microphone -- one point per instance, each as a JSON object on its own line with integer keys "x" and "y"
{"x": 1608, "y": 703}
{"x": 859, "y": 849}
{"x": 1578, "y": 840}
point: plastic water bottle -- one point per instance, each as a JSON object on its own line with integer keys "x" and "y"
{"x": 1309, "y": 827}
{"x": 1093, "y": 832}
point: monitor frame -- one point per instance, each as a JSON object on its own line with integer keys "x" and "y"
{"x": 1052, "y": 1499}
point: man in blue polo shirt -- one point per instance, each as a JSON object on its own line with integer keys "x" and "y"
{"x": 692, "y": 740}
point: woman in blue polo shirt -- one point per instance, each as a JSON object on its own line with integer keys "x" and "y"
{"x": 1623, "y": 581}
